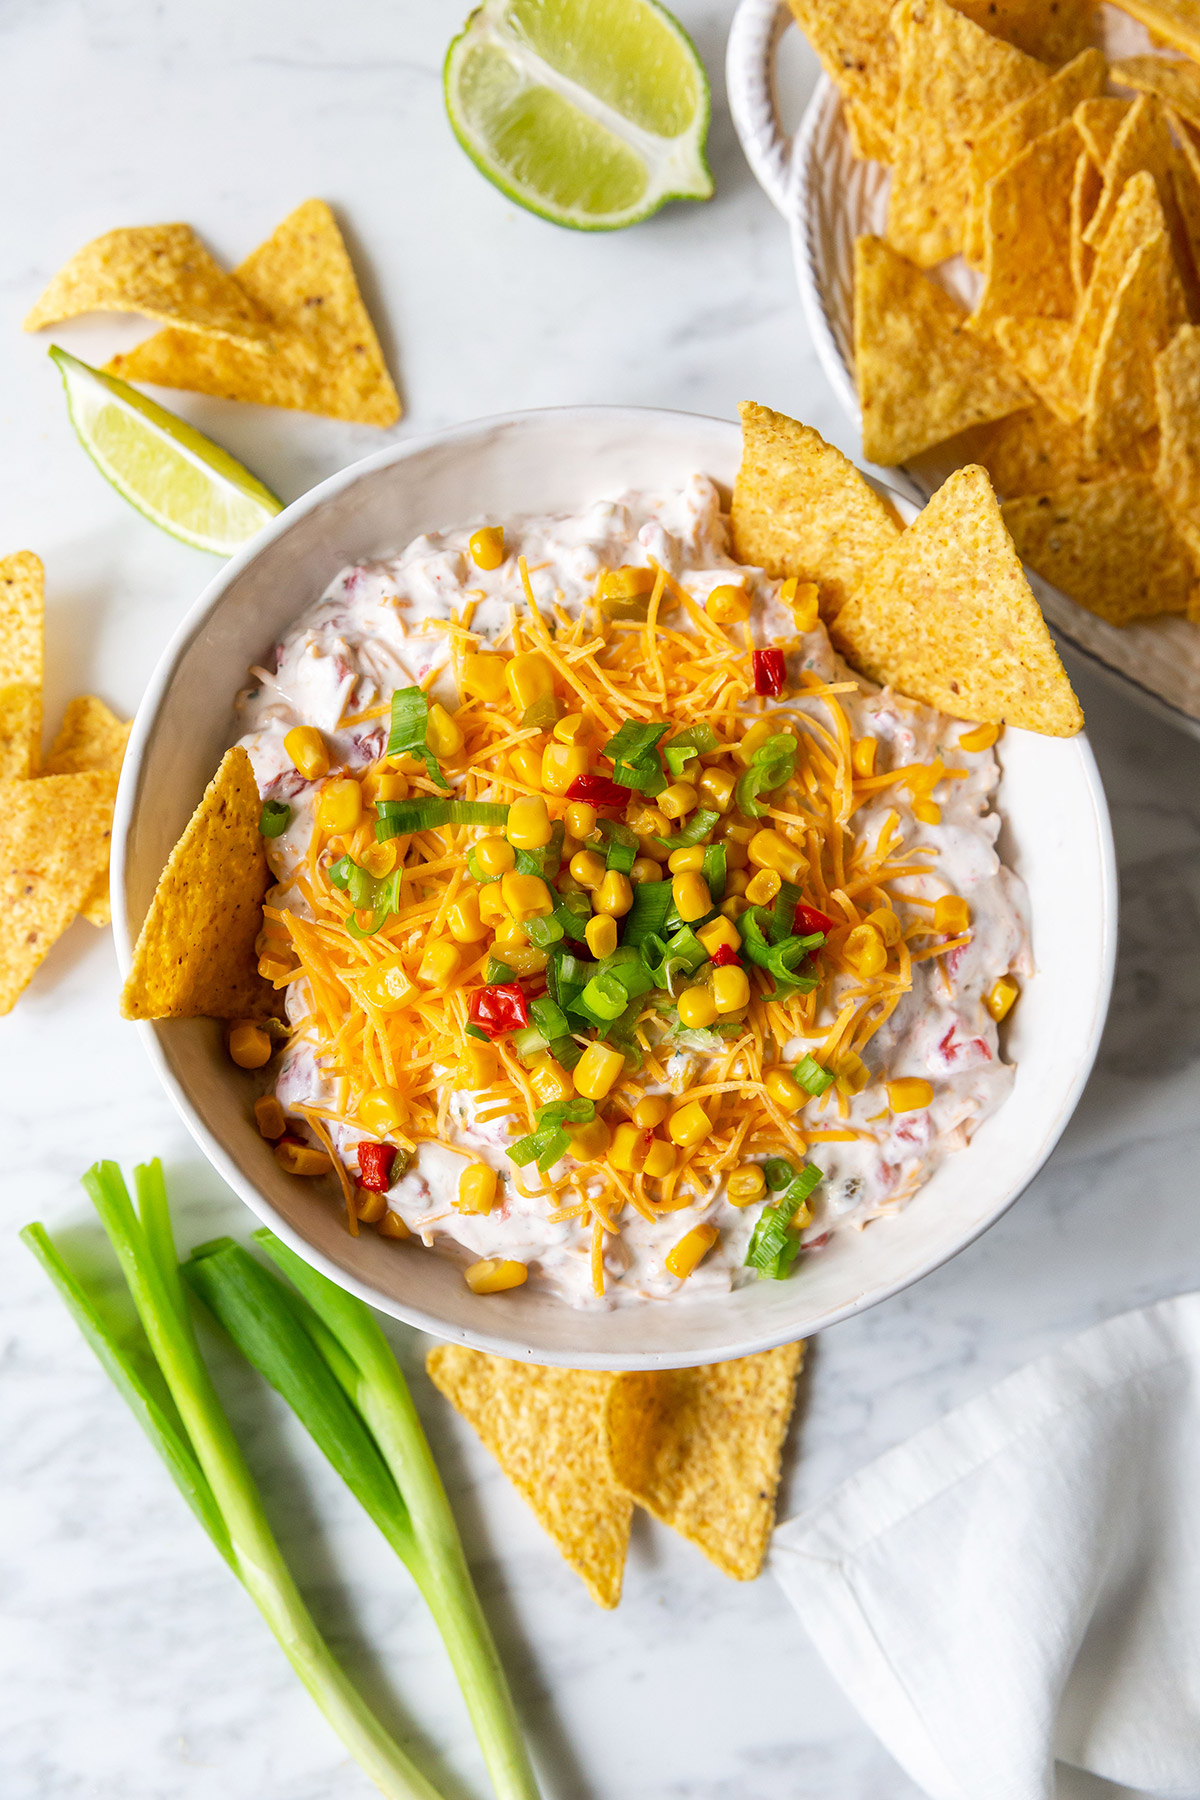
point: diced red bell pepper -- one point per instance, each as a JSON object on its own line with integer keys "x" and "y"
{"x": 375, "y": 1166}
{"x": 808, "y": 920}
{"x": 770, "y": 672}
{"x": 598, "y": 790}
{"x": 723, "y": 955}
{"x": 498, "y": 1009}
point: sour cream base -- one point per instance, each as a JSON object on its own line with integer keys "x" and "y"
{"x": 384, "y": 625}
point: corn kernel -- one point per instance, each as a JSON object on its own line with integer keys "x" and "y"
{"x": 491, "y": 904}
{"x": 386, "y": 985}
{"x": 463, "y": 921}
{"x": 784, "y": 1091}
{"x": 690, "y": 1251}
{"x": 295, "y": 1158}
{"x": 928, "y": 811}
{"x": 719, "y": 934}
{"x": 651, "y": 823}
{"x": 526, "y": 764}
{"x": 478, "y": 1065}
{"x": 771, "y": 850}
{"x": 629, "y": 582}
{"x": 951, "y": 915}
{"x": 690, "y": 857}
{"x": 589, "y": 869}
{"x": 269, "y": 1117}
{"x": 549, "y": 1080}
{"x": 393, "y": 1226}
{"x": 306, "y": 747}
{"x": 660, "y": 1160}
{"x": 495, "y": 855}
{"x": 886, "y": 924}
{"x": 727, "y": 604}
{"x": 629, "y": 1148}
{"x": 249, "y": 1045}
{"x": 476, "y": 1189}
{"x": 439, "y": 965}
{"x": 678, "y": 800}
{"x": 575, "y": 728}
{"x": 804, "y": 601}
{"x": 851, "y": 1072}
{"x": 530, "y": 677}
{"x": 590, "y": 1141}
{"x": 339, "y": 807}
{"x": 494, "y": 1274}
{"x": 526, "y": 896}
{"x": 562, "y": 764}
{"x": 443, "y": 735}
{"x": 487, "y": 546}
{"x": 909, "y": 1095}
{"x": 735, "y": 830}
{"x": 601, "y": 935}
{"x": 580, "y": 819}
{"x": 697, "y": 1008}
{"x": 736, "y": 880}
{"x": 689, "y": 1126}
{"x": 757, "y": 734}
{"x": 691, "y": 896}
{"x": 865, "y": 951}
{"x": 369, "y": 1206}
{"x": 382, "y": 1111}
{"x": 715, "y": 788}
{"x": 483, "y": 675}
{"x": 529, "y": 826}
{"x": 1001, "y": 997}
{"x": 510, "y": 935}
{"x": 746, "y": 1185}
{"x": 526, "y": 960}
{"x": 645, "y": 869}
{"x": 390, "y": 784}
{"x": 274, "y": 964}
{"x": 614, "y": 895}
{"x": 597, "y": 1071}
{"x": 379, "y": 859}
{"x": 734, "y": 906}
{"x": 862, "y": 756}
{"x": 730, "y": 988}
{"x": 651, "y": 1111}
{"x": 763, "y": 886}
{"x": 982, "y": 738}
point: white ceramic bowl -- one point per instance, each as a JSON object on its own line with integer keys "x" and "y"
{"x": 829, "y": 198}
{"x": 1056, "y": 834}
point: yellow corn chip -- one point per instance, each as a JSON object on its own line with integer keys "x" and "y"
{"x": 946, "y": 616}
{"x": 1175, "y": 22}
{"x": 854, "y": 41}
{"x": 1138, "y": 217}
{"x": 922, "y": 373}
{"x": 1143, "y": 142}
{"x": 1017, "y": 127}
{"x": 1052, "y": 30}
{"x": 1085, "y": 192}
{"x": 90, "y": 737}
{"x": 701, "y": 1449}
{"x": 22, "y": 633}
{"x": 801, "y": 508}
{"x": 1178, "y": 83}
{"x": 163, "y": 271}
{"x": 195, "y": 957}
{"x": 1177, "y": 476}
{"x": 867, "y": 141}
{"x": 1037, "y": 349}
{"x": 1030, "y": 452}
{"x": 325, "y": 356}
{"x": 1110, "y": 545}
{"x": 544, "y": 1427}
{"x": 1147, "y": 310}
{"x": 1027, "y": 233}
{"x": 1185, "y": 180}
{"x": 54, "y": 837}
{"x": 955, "y": 80}
{"x": 1098, "y": 122}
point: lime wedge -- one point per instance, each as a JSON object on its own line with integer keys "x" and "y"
{"x": 592, "y": 113}
{"x": 172, "y": 473}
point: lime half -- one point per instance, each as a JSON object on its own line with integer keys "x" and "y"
{"x": 173, "y": 474}
{"x": 589, "y": 112}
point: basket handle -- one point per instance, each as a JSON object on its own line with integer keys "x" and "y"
{"x": 754, "y": 38}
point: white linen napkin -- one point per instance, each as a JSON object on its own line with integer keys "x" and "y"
{"x": 1020, "y": 1583}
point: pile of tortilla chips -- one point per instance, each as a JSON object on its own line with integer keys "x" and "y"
{"x": 287, "y": 328}
{"x": 1073, "y": 378}
{"x": 56, "y": 816}
{"x": 700, "y": 1449}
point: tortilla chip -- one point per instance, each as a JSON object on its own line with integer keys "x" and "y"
{"x": 1037, "y": 349}
{"x": 1110, "y": 545}
{"x": 701, "y": 1449}
{"x": 1085, "y": 193}
{"x": 1098, "y": 122}
{"x": 1185, "y": 182}
{"x": 801, "y": 508}
{"x": 195, "y": 957}
{"x": 946, "y": 616}
{"x": 325, "y": 356}
{"x": 1030, "y": 452}
{"x": 1017, "y": 127}
{"x": 1177, "y": 476}
{"x": 854, "y": 42}
{"x": 867, "y": 142}
{"x": 22, "y": 657}
{"x": 1174, "y": 22}
{"x": 1178, "y": 83}
{"x": 922, "y": 373}
{"x": 955, "y": 80}
{"x": 54, "y": 838}
{"x": 544, "y": 1428}
{"x": 1054, "y": 32}
{"x": 1143, "y": 142}
{"x": 1027, "y": 233}
{"x": 162, "y": 271}
{"x": 1139, "y": 216}
{"x": 90, "y": 737}
{"x": 1147, "y": 309}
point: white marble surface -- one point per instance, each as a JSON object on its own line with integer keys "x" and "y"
{"x": 131, "y": 1667}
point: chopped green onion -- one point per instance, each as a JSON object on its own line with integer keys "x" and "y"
{"x": 410, "y": 723}
{"x": 547, "y": 861}
{"x": 697, "y": 740}
{"x": 773, "y": 1249}
{"x": 543, "y": 713}
{"x": 634, "y": 741}
{"x": 701, "y": 825}
{"x": 811, "y": 1076}
{"x": 778, "y": 1172}
{"x": 497, "y": 972}
{"x": 783, "y": 913}
{"x": 578, "y": 1111}
{"x": 473, "y": 1031}
{"x": 621, "y": 858}
{"x": 603, "y": 999}
{"x": 548, "y": 1017}
{"x": 772, "y": 765}
{"x": 782, "y": 961}
{"x": 544, "y": 932}
{"x": 274, "y": 818}
{"x": 399, "y": 817}
{"x": 567, "y": 976}
{"x": 573, "y": 913}
{"x": 528, "y": 1043}
{"x": 713, "y": 871}
{"x": 622, "y": 845}
{"x": 646, "y": 917}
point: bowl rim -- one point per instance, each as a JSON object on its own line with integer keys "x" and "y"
{"x": 226, "y": 1165}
